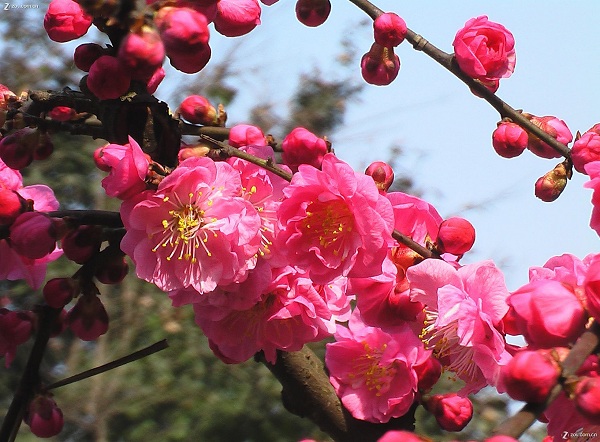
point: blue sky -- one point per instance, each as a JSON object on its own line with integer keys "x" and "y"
{"x": 443, "y": 129}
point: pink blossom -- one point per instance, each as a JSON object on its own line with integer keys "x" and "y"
{"x": 485, "y": 50}
{"x": 452, "y": 412}
{"x": 548, "y": 313}
{"x": 509, "y": 139}
{"x": 194, "y": 231}
{"x": 142, "y": 52}
{"x": 184, "y": 32}
{"x": 389, "y": 29}
{"x": 11, "y": 205}
{"x": 197, "y": 110}
{"x": 290, "y": 313}
{"x": 372, "y": 369}
{"x": 15, "y": 329}
{"x": 585, "y": 150}
{"x": 380, "y": 66}
{"x": 587, "y": 398}
{"x": 65, "y": 21}
{"x": 127, "y": 165}
{"x": 400, "y": 436}
{"x": 593, "y": 170}
{"x": 237, "y": 17}
{"x": 246, "y": 135}
{"x": 334, "y": 222}
{"x": 108, "y": 78}
{"x": 301, "y": 146}
{"x": 312, "y": 13}
{"x": 415, "y": 217}
{"x": 62, "y": 113}
{"x": 465, "y": 308}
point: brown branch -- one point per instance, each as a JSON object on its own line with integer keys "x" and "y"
{"x": 516, "y": 425}
{"x": 307, "y": 392}
{"x": 448, "y": 61}
{"x": 104, "y": 218}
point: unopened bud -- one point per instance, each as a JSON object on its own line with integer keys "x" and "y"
{"x": 108, "y": 78}
{"x": 33, "y": 235}
{"x": 301, "y": 146}
{"x": 382, "y": 173}
{"x": 549, "y": 187}
{"x": 456, "y": 236}
{"x": 16, "y": 149}
{"x": 197, "y": 110}
{"x": 452, "y": 412}
{"x": 554, "y": 127}
{"x": 58, "y": 292}
{"x": 587, "y": 398}
{"x": 113, "y": 268}
{"x": 380, "y": 66}
{"x": 142, "y": 52}
{"x": 389, "y": 29}
{"x": 11, "y": 205}
{"x": 81, "y": 243}
{"x": 62, "y": 113}
{"x": 312, "y": 13}
{"x": 88, "y": 318}
{"x": 428, "y": 373}
{"x": 86, "y": 54}
{"x": 509, "y": 139}
{"x": 43, "y": 416}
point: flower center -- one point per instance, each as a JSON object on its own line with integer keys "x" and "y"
{"x": 328, "y": 223}
{"x": 368, "y": 370}
{"x": 183, "y": 232}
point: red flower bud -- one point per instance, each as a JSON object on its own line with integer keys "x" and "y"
{"x": 530, "y": 375}
{"x": 108, "y": 78}
{"x": 11, "y": 205}
{"x": 65, "y": 21}
{"x": 15, "y": 329}
{"x": 142, "y": 53}
{"x": 16, "y": 149}
{"x": 382, "y": 173}
{"x": 236, "y": 17}
{"x": 400, "y": 436}
{"x": 452, "y": 412}
{"x": 585, "y": 150}
{"x": 380, "y": 66}
{"x": 312, "y": 13}
{"x": 554, "y": 127}
{"x": 587, "y": 398}
{"x": 301, "y": 146}
{"x": 428, "y": 373}
{"x": 58, "y": 292}
{"x": 246, "y": 135}
{"x": 62, "y": 113}
{"x": 455, "y": 236}
{"x": 43, "y": 416}
{"x": 81, "y": 243}
{"x": 389, "y": 29}
{"x": 549, "y": 187}
{"x": 509, "y": 139}
{"x": 112, "y": 270}
{"x": 33, "y": 235}
{"x": 197, "y": 110}
{"x": 86, "y": 54}
{"x": 88, "y": 318}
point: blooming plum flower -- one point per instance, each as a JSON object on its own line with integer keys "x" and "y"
{"x": 389, "y": 29}
{"x": 372, "y": 369}
{"x": 548, "y": 313}
{"x": 334, "y": 222}
{"x": 65, "y": 21}
{"x": 465, "y": 308}
{"x": 43, "y": 416}
{"x": 312, "y": 13}
{"x": 554, "y": 127}
{"x": 237, "y": 17}
{"x": 380, "y": 66}
{"x": 108, "y": 78}
{"x": 127, "y": 166}
{"x": 451, "y": 411}
{"x": 194, "y": 231}
{"x": 185, "y": 35}
{"x": 509, "y": 139}
{"x": 290, "y": 313}
{"x": 15, "y": 329}
{"x": 585, "y": 150}
{"x": 301, "y": 146}
{"x": 485, "y": 50}
{"x": 197, "y": 110}
{"x": 530, "y": 375}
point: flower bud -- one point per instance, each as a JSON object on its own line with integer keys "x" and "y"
{"x": 142, "y": 52}
{"x": 456, "y": 236}
{"x": 6, "y": 96}
{"x": 389, "y": 29}
{"x": 587, "y": 398}
{"x": 80, "y": 244}
{"x": 501, "y": 438}
{"x": 530, "y": 375}
{"x": 549, "y": 187}
{"x": 86, "y": 54}
{"x": 452, "y": 412}
{"x": 428, "y": 373}
{"x": 301, "y": 146}
{"x": 16, "y": 149}
{"x": 197, "y": 110}
{"x": 44, "y": 147}
{"x": 58, "y": 292}
{"x": 382, "y": 173}
{"x": 155, "y": 80}
{"x": 246, "y": 135}
{"x": 65, "y": 21}
{"x": 509, "y": 139}
{"x": 112, "y": 269}
{"x": 197, "y": 151}
{"x": 88, "y": 318}
{"x": 43, "y": 416}
{"x": 236, "y": 17}
{"x": 554, "y": 127}
{"x": 15, "y": 329}
{"x": 185, "y": 34}
{"x": 11, "y": 205}
{"x": 585, "y": 150}
{"x": 380, "y": 66}
{"x": 62, "y": 113}
{"x": 400, "y": 436}
{"x": 108, "y": 79}
{"x": 312, "y": 13}
{"x": 591, "y": 286}
{"x": 33, "y": 235}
